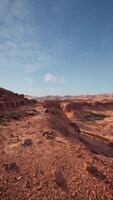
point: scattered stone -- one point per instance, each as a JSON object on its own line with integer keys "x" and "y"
{"x": 17, "y": 179}
{"x": 46, "y": 110}
{"x": 11, "y": 167}
{"x": 48, "y": 134}
{"x": 95, "y": 172}
{"x": 27, "y": 142}
{"x": 60, "y": 180}
{"x": 50, "y": 110}
{"x": 29, "y": 183}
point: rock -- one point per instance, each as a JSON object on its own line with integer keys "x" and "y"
{"x": 29, "y": 183}
{"x": 21, "y": 96}
{"x": 1, "y": 119}
{"x": 76, "y": 128}
{"x": 48, "y": 134}
{"x": 34, "y": 101}
{"x": 11, "y": 167}
{"x": 52, "y": 107}
{"x": 27, "y": 142}
{"x": 11, "y": 100}
{"x": 95, "y": 172}
{"x": 31, "y": 112}
{"x": 2, "y": 106}
{"x": 14, "y": 115}
{"x": 60, "y": 180}
{"x": 111, "y": 144}
{"x": 46, "y": 110}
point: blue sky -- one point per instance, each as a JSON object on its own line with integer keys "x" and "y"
{"x": 57, "y": 47}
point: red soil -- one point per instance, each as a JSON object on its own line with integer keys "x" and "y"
{"x": 56, "y": 150}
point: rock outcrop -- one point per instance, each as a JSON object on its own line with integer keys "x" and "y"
{"x": 10, "y": 100}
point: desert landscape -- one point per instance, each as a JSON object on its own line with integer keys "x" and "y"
{"x": 56, "y": 148}
{"x": 56, "y": 100}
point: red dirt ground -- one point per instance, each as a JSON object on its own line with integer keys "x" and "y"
{"x": 57, "y": 150}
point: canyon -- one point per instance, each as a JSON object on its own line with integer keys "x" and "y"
{"x": 57, "y": 148}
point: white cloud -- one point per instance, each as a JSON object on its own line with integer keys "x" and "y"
{"x": 50, "y": 77}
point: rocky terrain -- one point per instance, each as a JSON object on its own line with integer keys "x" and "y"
{"x": 56, "y": 149}
{"x": 10, "y": 100}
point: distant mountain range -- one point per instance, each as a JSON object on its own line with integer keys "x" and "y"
{"x": 69, "y": 97}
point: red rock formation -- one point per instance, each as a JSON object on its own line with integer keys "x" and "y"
{"x": 10, "y": 100}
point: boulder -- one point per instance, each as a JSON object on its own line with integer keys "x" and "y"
{"x": 27, "y": 142}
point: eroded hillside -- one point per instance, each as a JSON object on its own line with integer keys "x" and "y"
{"x": 56, "y": 150}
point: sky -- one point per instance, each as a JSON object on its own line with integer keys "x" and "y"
{"x": 56, "y": 47}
